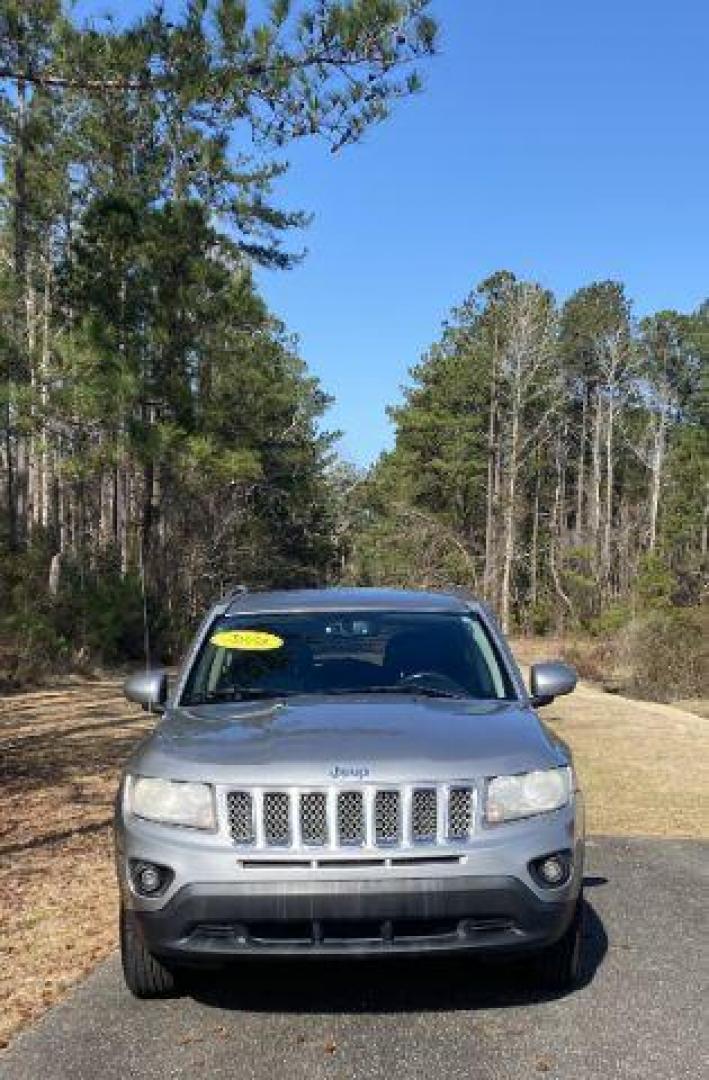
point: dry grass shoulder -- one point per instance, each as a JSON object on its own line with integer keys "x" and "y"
{"x": 643, "y": 768}
{"x": 60, "y": 754}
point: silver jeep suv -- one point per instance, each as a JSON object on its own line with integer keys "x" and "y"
{"x": 347, "y": 773}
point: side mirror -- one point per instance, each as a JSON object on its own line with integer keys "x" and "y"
{"x": 148, "y": 689}
{"x": 550, "y": 680}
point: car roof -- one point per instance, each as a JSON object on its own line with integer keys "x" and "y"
{"x": 247, "y": 603}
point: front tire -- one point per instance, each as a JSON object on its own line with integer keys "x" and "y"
{"x": 144, "y": 974}
{"x": 559, "y": 967}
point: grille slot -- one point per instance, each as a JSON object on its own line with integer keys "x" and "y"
{"x": 240, "y": 812}
{"x": 387, "y": 817}
{"x": 276, "y": 818}
{"x": 350, "y": 817}
{"x": 313, "y": 818}
{"x": 424, "y": 815}
{"x": 460, "y": 813}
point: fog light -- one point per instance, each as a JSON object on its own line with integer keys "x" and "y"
{"x": 150, "y": 879}
{"x": 552, "y": 870}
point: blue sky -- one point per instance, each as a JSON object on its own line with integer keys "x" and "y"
{"x": 567, "y": 142}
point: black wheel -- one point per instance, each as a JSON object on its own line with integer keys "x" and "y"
{"x": 145, "y": 976}
{"x": 559, "y": 966}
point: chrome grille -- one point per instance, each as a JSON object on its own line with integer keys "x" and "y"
{"x": 424, "y": 814}
{"x": 241, "y": 816}
{"x": 350, "y": 817}
{"x": 313, "y": 818}
{"x": 276, "y": 818}
{"x": 460, "y": 813}
{"x": 387, "y": 817}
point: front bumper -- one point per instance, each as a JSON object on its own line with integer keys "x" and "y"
{"x": 484, "y": 901}
{"x": 207, "y": 923}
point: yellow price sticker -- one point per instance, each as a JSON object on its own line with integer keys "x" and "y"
{"x": 247, "y": 640}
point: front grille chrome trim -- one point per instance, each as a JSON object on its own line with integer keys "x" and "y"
{"x": 371, "y": 818}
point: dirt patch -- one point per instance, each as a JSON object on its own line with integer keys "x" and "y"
{"x": 643, "y": 767}
{"x": 60, "y": 754}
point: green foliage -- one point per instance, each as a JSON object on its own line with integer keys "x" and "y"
{"x": 388, "y": 541}
{"x": 441, "y": 454}
{"x": 201, "y": 102}
{"x": 158, "y": 424}
{"x": 95, "y": 617}
{"x": 542, "y": 442}
{"x": 655, "y": 584}
{"x": 611, "y": 620}
{"x": 540, "y": 617}
{"x": 102, "y": 616}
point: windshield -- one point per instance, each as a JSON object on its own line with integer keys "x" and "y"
{"x": 442, "y": 655}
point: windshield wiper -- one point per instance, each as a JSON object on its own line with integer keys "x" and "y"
{"x": 418, "y": 691}
{"x": 239, "y": 693}
{"x": 256, "y": 693}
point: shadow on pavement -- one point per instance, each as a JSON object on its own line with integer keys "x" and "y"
{"x": 377, "y": 986}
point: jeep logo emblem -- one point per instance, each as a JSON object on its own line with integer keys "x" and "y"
{"x": 349, "y": 772}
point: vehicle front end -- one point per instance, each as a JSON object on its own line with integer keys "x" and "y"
{"x": 354, "y": 866}
{"x": 347, "y": 821}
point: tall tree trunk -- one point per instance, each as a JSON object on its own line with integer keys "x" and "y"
{"x": 9, "y": 466}
{"x": 45, "y": 457}
{"x": 594, "y": 540}
{"x": 15, "y": 448}
{"x": 489, "y": 571}
{"x": 124, "y": 506}
{"x": 555, "y": 530}
{"x": 595, "y": 516}
{"x": 33, "y": 507}
{"x": 581, "y": 472}
{"x": 510, "y": 509}
{"x": 495, "y": 584}
{"x": 534, "y": 548}
{"x": 625, "y": 547}
{"x": 658, "y": 460}
{"x": 608, "y": 523}
{"x": 563, "y": 513}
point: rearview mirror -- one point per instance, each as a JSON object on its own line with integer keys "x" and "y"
{"x": 550, "y": 680}
{"x": 148, "y": 689}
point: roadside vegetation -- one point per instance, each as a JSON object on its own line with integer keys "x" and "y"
{"x": 554, "y": 459}
{"x": 60, "y": 752}
{"x": 160, "y": 434}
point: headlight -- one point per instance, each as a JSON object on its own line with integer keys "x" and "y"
{"x": 521, "y": 796}
{"x": 172, "y": 802}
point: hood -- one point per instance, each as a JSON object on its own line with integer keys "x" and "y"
{"x": 318, "y": 740}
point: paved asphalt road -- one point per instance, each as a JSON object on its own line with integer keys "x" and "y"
{"x": 637, "y": 1014}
